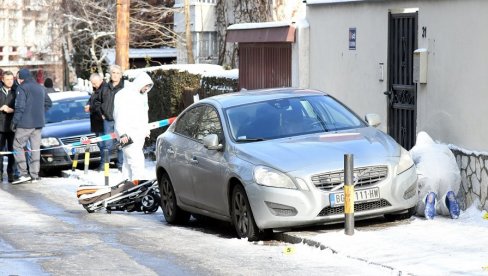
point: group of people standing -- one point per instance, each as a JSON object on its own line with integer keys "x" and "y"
{"x": 23, "y": 103}
{"x": 114, "y": 106}
{"x": 122, "y": 108}
{"x": 101, "y": 108}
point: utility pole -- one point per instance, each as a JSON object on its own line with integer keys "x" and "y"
{"x": 122, "y": 34}
{"x": 189, "y": 42}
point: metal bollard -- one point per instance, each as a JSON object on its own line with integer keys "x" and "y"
{"x": 106, "y": 166}
{"x": 75, "y": 162}
{"x": 348, "y": 194}
{"x": 87, "y": 158}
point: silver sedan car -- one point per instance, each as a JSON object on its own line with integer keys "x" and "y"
{"x": 270, "y": 159}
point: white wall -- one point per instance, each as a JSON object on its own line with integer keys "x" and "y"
{"x": 202, "y": 16}
{"x": 349, "y": 75}
{"x": 451, "y": 106}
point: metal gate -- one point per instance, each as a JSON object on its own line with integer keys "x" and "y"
{"x": 402, "y": 92}
{"x": 264, "y": 65}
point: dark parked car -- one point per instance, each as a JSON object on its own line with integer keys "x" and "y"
{"x": 66, "y": 123}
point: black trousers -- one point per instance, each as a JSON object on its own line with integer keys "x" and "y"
{"x": 7, "y": 144}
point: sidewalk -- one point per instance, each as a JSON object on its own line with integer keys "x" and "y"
{"x": 415, "y": 246}
{"x": 98, "y": 178}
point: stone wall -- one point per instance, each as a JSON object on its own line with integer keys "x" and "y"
{"x": 474, "y": 178}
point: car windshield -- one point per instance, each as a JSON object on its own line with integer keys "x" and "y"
{"x": 289, "y": 117}
{"x": 67, "y": 109}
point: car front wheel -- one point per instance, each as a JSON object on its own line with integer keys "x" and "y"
{"x": 242, "y": 217}
{"x": 172, "y": 213}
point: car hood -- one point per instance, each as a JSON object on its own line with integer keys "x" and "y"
{"x": 67, "y": 129}
{"x": 369, "y": 146}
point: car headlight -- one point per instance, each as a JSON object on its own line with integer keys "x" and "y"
{"x": 270, "y": 177}
{"x": 406, "y": 161}
{"x": 49, "y": 142}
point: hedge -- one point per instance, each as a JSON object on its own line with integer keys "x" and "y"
{"x": 166, "y": 97}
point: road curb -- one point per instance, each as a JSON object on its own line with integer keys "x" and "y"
{"x": 293, "y": 239}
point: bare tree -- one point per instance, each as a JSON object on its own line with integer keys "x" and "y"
{"x": 238, "y": 11}
{"x": 189, "y": 42}
{"x": 89, "y": 26}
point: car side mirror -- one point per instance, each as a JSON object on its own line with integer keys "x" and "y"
{"x": 211, "y": 142}
{"x": 372, "y": 119}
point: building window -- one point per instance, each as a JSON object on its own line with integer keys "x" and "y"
{"x": 206, "y": 43}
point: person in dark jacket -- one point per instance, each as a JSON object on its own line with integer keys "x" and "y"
{"x": 31, "y": 103}
{"x": 105, "y": 102}
{"x": 96, "y": 120}
{"x": 49, "y": 85}
{"x": 7, "y": 104}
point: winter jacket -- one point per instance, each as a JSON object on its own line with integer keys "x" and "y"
{"x": 105, "y": 101}
{"x": 7, "y": 97}
{"x": 96, "y": 120}
{"x": 31, "y": 103}
{"x": 131, "y": 109}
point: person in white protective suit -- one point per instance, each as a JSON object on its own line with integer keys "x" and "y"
{"x": 131, "y": 124}
{"x": 438, "y": 178}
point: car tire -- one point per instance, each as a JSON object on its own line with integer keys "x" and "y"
{"x": 172, "y": 213}
{"x": 242, "y": 217}
{"x": 401, "y": 216}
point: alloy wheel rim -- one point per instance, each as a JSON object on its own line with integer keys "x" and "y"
{"x": 240, "y": 213}
{"x": 148, "y": 201}
{"x": 167, "y": 197}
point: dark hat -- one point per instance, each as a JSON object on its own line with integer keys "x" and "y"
{"x": 24, "y": 74}
{"x": 48, "y": 83}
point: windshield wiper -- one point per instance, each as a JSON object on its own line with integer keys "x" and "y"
{"x": 250, "y": 139}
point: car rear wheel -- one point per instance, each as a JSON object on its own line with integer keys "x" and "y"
{"x": 242, "y": 217}
{"x": 172, "y": 213}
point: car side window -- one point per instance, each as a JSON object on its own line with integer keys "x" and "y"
{"x": 209, "y": 124}
{"x": 188, "y": 122}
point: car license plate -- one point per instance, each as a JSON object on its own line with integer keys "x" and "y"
{"x": 337, "y": 199}
{"x": 93, "y": 148}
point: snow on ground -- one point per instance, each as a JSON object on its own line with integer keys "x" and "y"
{"x": 98, "y": 178}
{"x": 206, "y": 70}
{"x": 423, "y": 247}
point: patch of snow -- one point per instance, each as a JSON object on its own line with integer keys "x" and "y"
{"x": 205, "y": 70}
{"x": 468, "y": 152}
{"x": 260, "y": 25}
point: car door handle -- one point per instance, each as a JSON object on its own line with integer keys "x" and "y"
{"x": 193, "y": 160}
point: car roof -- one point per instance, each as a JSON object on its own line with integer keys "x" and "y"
{"x": 252, "y": 96}
{"x": 59, "y": 96}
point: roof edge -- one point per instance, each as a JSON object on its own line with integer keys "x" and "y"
{"x": 324, "y": 2}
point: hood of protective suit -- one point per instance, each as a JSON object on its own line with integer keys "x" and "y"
{"x": 424, "y": 139}
{"x": 142, "y": 80}
{"x": 436, "y": 166}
